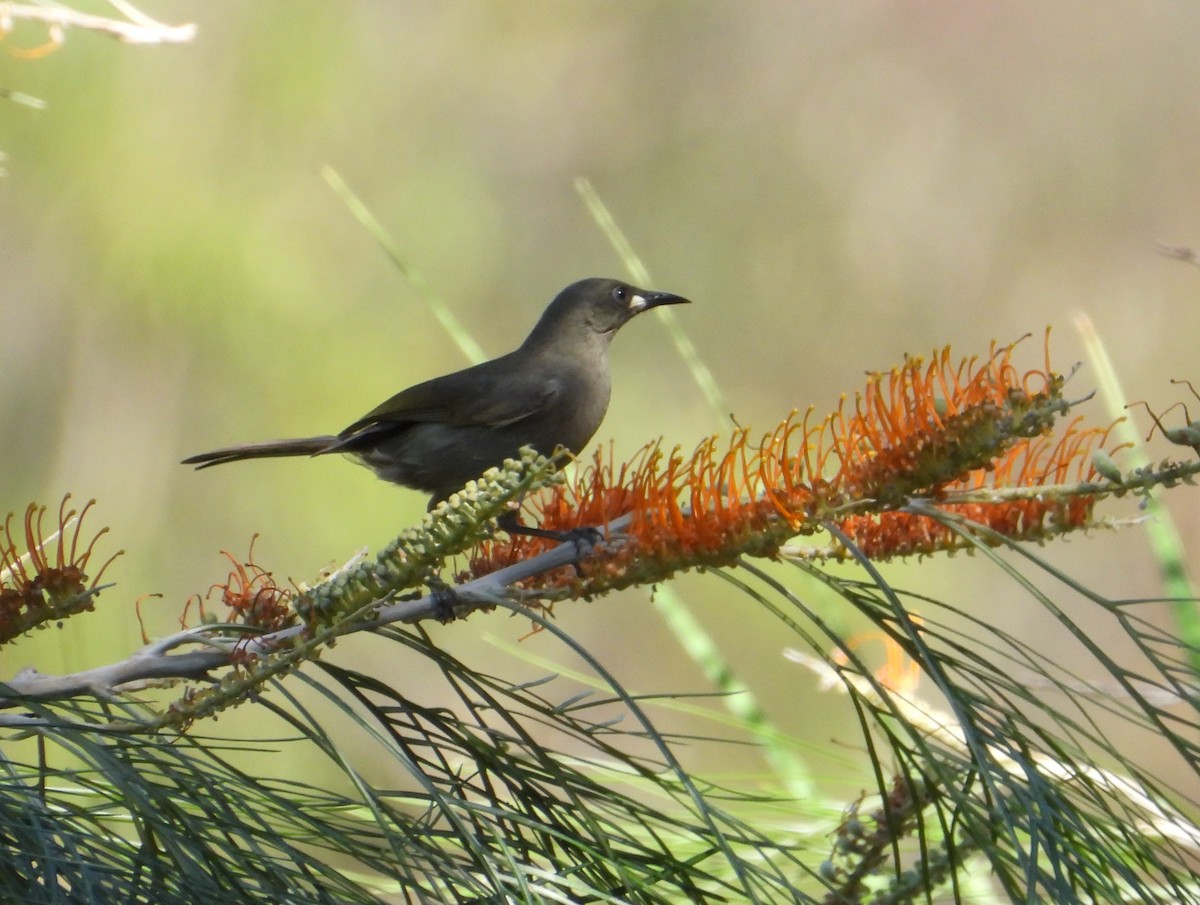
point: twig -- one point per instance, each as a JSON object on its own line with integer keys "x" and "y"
{"x": 1178, "y": 252}
{"x": 140, "y": 29}
{"x": 155, "y": 662}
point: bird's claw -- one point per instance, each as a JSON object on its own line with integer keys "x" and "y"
{"x": 445, "y": 602}
{"x": 584, "y": 539}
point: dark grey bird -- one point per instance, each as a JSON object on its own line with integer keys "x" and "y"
{"x": 436, "y": 436}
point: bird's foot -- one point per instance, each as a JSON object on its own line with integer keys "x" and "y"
{"x": 584, "y": 539}
{"x": 445, "y": 602}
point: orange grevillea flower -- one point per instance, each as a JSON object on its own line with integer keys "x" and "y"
{"x": 951, "y": 434}
{"x": 43, "y": 584}
{"x": 252, "y": 596}
{"x": 899, "y": 672}
{"x": 1044, "y": 462}
{"x": 54, "y": 40}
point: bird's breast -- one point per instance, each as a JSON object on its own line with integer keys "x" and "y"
{"x": 576, "y": 412}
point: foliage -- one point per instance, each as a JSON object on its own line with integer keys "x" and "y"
{"x": 1007, "y": 772}
{"x": 525, "y": 792}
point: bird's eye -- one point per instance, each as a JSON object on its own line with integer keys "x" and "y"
{"x": 620, "y": 294}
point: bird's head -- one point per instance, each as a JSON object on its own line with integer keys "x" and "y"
{"x": 595, "y": 307}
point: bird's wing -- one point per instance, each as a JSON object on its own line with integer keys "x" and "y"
{"x": 485, "y": 396}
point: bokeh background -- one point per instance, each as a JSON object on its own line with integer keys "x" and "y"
{"x": 834, "y": 185}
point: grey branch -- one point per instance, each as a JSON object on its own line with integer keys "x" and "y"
{"x": 156, "y": 662}
{"x": 138, "y": 29}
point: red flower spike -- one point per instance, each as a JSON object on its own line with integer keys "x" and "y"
{"x": 899, "y": 672}
{"x": 253, "y": 597}
{"x": 36, "y": 588}
{"x": 923, "y": 430}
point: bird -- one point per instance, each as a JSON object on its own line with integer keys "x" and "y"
{"x": 551, "y": 393}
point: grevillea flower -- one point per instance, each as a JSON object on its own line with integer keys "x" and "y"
{"x": 252, "y": 596}
{"x": 899, "y": 672}
{"x": 40, "y": 586}
{"x": 957, "y": 436}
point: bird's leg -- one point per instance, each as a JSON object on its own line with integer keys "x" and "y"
{"x": 444, "y": 601}
{"x": 584, "y": 538}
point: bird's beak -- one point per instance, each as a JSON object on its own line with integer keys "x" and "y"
{"x": 640, "y": 303}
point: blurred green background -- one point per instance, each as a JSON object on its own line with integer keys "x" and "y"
{"x": 833, "y": 185}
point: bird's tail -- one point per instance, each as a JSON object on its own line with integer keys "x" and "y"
{"x": 304, "y": 446}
